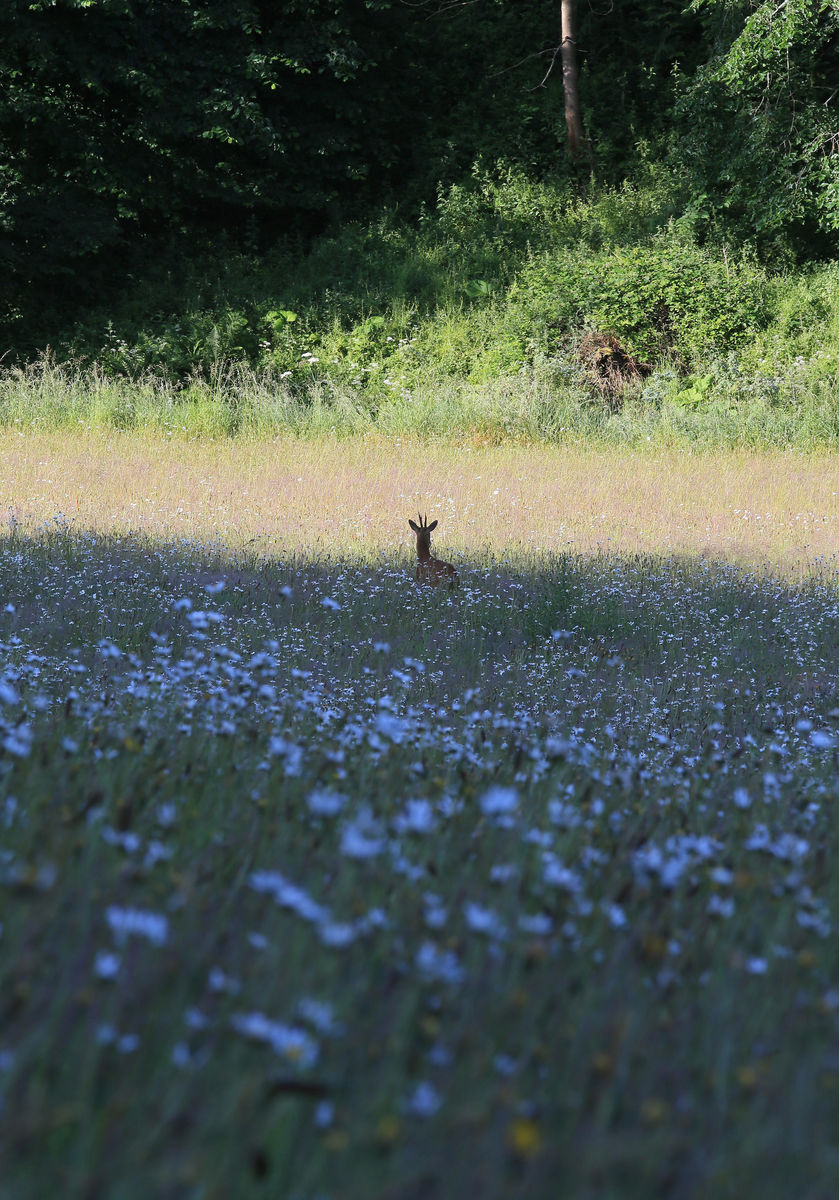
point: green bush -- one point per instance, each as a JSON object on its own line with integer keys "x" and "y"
{"x": 665, "y": 298}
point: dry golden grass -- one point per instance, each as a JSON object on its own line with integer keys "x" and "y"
{"x": 339, "y": 497}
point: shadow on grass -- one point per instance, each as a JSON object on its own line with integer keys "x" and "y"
{"x": 655, "y": 618}
{"x": 325, "y": 883}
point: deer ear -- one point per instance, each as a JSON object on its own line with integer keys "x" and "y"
{"x": 433, "y": 525}
{"x": 413, "y": 526}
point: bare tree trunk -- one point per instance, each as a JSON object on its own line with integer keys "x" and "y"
{"x": 577, "y": 146}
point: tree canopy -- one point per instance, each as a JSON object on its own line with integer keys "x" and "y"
{"x": 128, "y": 127}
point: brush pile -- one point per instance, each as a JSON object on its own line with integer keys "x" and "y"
{"x": 610, "y": 368}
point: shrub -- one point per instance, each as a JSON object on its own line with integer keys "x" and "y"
{"x": 666, "y": 298}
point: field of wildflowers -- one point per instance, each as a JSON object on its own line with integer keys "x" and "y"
{"x": 317, "y": 884}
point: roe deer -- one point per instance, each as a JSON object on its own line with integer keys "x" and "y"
{"x": 430, "y": 569}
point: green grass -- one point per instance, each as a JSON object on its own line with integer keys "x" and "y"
{"x": 552, "y": 405}
{"x": 520, "y": 890}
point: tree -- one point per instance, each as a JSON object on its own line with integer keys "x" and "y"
{"x": 130, "y": 122}
{"x": 570, "y": 84}
{"x": 759, "y": 121}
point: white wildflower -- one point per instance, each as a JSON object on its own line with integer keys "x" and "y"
{"x": 498, "y": 801}
{"x": 107, "y": 965}
{"x": 438, "y": 964}
{"x": 324, "y": 803}
{"x": 425, "y": 1100}
{"x": 125, "y": 922}
{"x": 719, "y": 907}
{"x": 286, "y": 1040}
{"x": 483, "y": 920}
{"x": 18, "y": 741}
{"x": 418, "y": 817}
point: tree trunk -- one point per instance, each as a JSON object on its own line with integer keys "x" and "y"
{"x": 577, "y": 146}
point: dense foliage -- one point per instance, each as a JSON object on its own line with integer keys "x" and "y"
{"x": 125, "y": 123}
{"x": 759, "y": 120}
{"x": 154, "y": 154}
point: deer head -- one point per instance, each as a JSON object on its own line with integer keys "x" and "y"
{"x": 423, "y": 532}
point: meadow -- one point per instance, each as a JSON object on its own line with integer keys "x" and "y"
{"x": 317, "y": 884}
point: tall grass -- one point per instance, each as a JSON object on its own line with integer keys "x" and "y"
{"x": 550, "y": 404}
{"x": 353, "y": 495}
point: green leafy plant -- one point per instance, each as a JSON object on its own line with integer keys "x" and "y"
{"x": 666, "y": 297}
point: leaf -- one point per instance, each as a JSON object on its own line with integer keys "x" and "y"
{"x": 477, "y": 287}
{"x": 280, "y": 316}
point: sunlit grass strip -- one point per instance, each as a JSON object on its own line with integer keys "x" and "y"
{"x": 339, "y": 497}
{"x": 550, "y": 405}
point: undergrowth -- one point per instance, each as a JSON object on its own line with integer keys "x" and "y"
{"x": 465, "y": 323}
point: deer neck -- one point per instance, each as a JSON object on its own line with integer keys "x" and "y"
{"x": 423, "y": 551}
